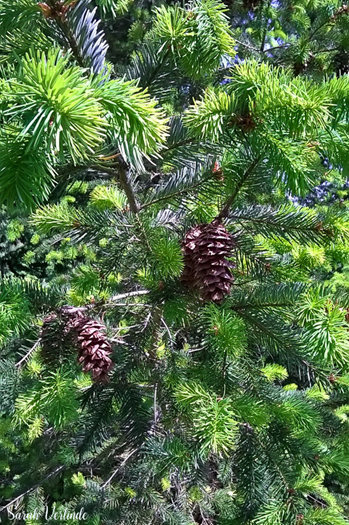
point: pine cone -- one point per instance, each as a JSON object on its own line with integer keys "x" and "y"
{"x": 300, "y": 518}
{"x": 94, "y": 349}
{"x": 67, "y": 330}
{"x": 206, "y": 268}
{"x": 55, "y": 342}
{"x": 245, "y": 122}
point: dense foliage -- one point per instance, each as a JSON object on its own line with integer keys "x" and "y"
{"x": 174, "y": 257}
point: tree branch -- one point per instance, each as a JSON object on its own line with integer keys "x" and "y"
{"x": 120, "y": 172}
{"x": 246, "y": 175}
{"x": 64, "y": 27}
{"x": 28, "y": 353}
{"x": 158, "y": 68}
{"x": 119, "y": 467}
{"x": 248, "y": 46}
{"x": 176, "y": 193}
{"x": 29, "y": 491}
{"x": 128, "y": 294}
{"x": 126, "y": 186}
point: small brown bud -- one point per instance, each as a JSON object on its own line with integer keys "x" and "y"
{"x": 45, "y": 9}
{"x": 218, "y": 172}
{"x": 332, "y": 379}
{"x": 215, "y": 329}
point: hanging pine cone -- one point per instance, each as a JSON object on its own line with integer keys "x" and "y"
{"x": 66, "y": 331}
{"x": 206, "y": 268}
{"x": 94, "y": 349}
{"x": 55, "y": 341}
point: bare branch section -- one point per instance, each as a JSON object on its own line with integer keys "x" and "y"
{"x": 127, "y": 187}
{"x": 230, "y": 200}
{"x": 28, "y": 354}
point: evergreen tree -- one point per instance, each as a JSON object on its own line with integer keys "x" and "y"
{"x": 174, "y": 341}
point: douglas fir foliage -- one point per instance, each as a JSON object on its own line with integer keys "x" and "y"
{"x": 173, "y": 300}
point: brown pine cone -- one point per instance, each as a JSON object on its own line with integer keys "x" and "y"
{"x": 94, "y": 348}
{"x": 206, "y": 268}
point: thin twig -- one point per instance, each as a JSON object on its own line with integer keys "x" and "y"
{"x": 328, "y": 50}
{"x": 176, "y": 193}
{"x": 132, "y": 304}
{"x": 245, "y": 176}
{"x": 265, "y": 30}
{"x": 155, "y": 409}
{"x": 178, "y": 144}
{"x": 264, "y": 305}
{"x": 128, "y": 294}
{"x": 58, "y": 469}
{"x": 270, "y": 49}
{"x": 146, "y": 322}
{"x": 158, "y": 67}
{"x": 119, "y": 467}
{"x": 167, "y": 328}
{"x": 248, "y": 46}
{"x": 71, "y": 40}
{"x": 29, "y": 353}
{"x": 313, "y": 33}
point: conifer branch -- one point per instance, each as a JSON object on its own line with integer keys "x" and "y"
{"x": 119, "y": 467}
{"x": 65, "y": 28}
{"x": 225, "y": 210}
{"x": 182, "y": 191}
{"x": 120, "y": 171}
{"x": 151, "y": 431}
{"x": 127, "y": 187}
{"x": 158, "y": 67}
{"x": 32, "y": 489}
